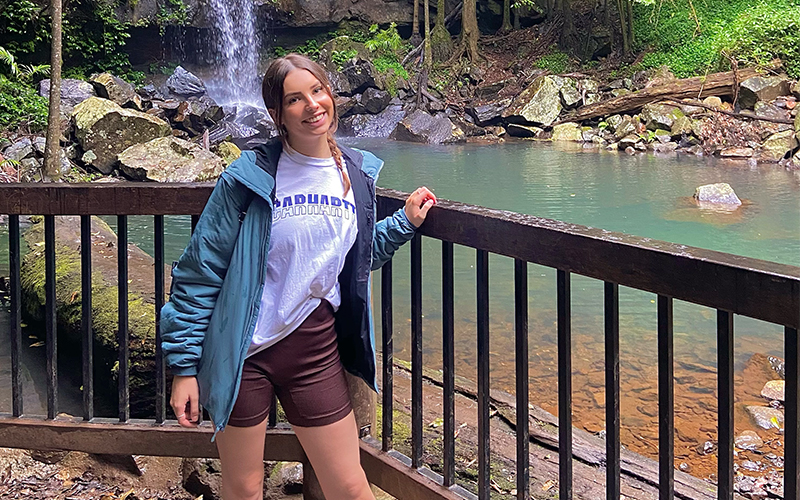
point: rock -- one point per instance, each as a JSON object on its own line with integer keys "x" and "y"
{"x": 539, "y": 104}
{"x": 202, "y": 477}
{"x": 73, "y": 92}
{"x": 374, "y": 100}
{"x": 720, "y": 193}
{"x": 629, "y": 141}
{"x": 39, "y": 145}
{"x": 570, "y": 95}
{"x": 380, "y": 125}
{"x": 291, "y": 477}
{"x": 626, "y": 127}
{"x": 186, "y": 84}
{"x": 795, "y": 89}
{"x": 237, "y": 133}
{"x": 491, "y": 90}
{"x": 168, "y": 159}
{"x": 665, "y": 148}
{"x": 706, "y": 448}
{"x": 105, "y": 129}
{"x": 630, "y": 150}
{"x": 48, "y": 457}
{"x": 769, "y": 110}
{"x": 613, "y": 122}
{"x": 778, "y": 365}
{"x": 116, "y": 89}
{"x": 748, "y": 440}
{"x": 778, "y": 145}
{"x": 736, "y": 152}
{"x": 340, "y": 44}
{"x": 422, "y": 127}
{"x": 764, "y": 417}
{"x": 30, "y": 170}
{"x": 662, "y": 136}
{"x": 526, "y": 131}
{"x": 762, "y": 88}
{"x": 774, "y": 390}
{"x": 567, "y": 132}
{"x": 682, "y": 126}
{"x": 488, "y": 114}
{"x": 357, "y": 75}
{"x": 229, "y": 152}
{"x": 713, "y": 101}
{"x": 20, "y": 150}
{"x": 660, "y": 116}
{"x": 347, "y": 106}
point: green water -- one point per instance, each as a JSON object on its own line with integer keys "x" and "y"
{"x": 642, "y": 195}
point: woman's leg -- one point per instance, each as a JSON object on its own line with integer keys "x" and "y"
{"x": 334, "y": 453}
{"x": 241, "y": 451}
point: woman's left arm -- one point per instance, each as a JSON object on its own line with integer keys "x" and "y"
{"x": 393, "y": 231}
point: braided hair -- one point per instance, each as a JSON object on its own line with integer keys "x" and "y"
{"x": 272, "y": 92}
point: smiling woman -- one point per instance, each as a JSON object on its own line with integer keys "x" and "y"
{"x": 284, "y": 292}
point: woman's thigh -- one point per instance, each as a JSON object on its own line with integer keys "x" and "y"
{"x": 334, "y": 453}
{"x": 241, "y": 451}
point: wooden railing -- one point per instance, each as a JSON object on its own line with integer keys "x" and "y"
{"x": 730, "y": 284}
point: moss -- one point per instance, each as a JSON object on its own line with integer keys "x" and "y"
{"x": 105, "y": 317}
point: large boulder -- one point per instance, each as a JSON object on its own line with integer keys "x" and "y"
{"x": 720, "y": 193}
{"x": 185, "y": 84}
{"x": 374, "y": 100}
{"x": 116, "y": 89}
{"x": 73, "y": 92}
{"x": 538, "y": 104}
{"x": 762, "y": 88}
{"x": 168, "y": 159}
{"x": 337, "y": 46}
{"x": 380, "y": 125}
{"x": 420, "y": 126}
{"x": 20, "y": 150}
{"x": 568, "y": 132}
{"x": 660, "y": 116}
{"x": 778, "y": 145}
{"x": 105, "y": 129}
{"x": 489, "y": 114}
{"x": 524, "y": 131}
{"x": 570, "y": 95}
{"x": 356, "y": 76}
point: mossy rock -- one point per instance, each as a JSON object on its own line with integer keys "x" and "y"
{"x": 141, "y": 308}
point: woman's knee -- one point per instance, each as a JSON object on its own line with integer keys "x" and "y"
{"x": 354, "y": 486}
{"x": 242, "y": 486}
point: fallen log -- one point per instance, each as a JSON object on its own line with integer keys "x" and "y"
{"x": 698, "y": 87}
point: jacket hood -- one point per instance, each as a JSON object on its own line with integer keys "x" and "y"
{"x": 259, "y": 179}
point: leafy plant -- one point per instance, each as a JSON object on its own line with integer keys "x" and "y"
{"x": 21, "y": 106}
{"x": 386, "y": 42}
{"x": 555, "y": 62}
{"x": 24, "y": 72}
{"x": 9, "y": 170}
{"x": 340, "y": 57}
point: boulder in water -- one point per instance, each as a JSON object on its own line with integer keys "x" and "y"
{"x": 104, "y": 129}
{"x": 539, "y": 104}
{"x": 422, "y": 127}
{"x": 660, "y": 116}
{"x": 168, "y": 159}
{"x": 524, "y": 131}
{"x": 568, "y": 131}
{"x": 765, "y": 417}
{"x": 380, "y": 125}
{"x": 778, "y": 145}
{"x": 185, "y": 83}
{"x": 116, "y": 89}
{"x": 489, "y": 114}
{"x": 719, "y": 193}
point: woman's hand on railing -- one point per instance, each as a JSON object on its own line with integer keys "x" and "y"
{"x": 417, "y": 205}
{"x": 185, "y": 400}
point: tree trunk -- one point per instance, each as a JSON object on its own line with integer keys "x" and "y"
{"x": 415, "y": 37}
{"x": 506, "y": 27}
{"x": 441, "y": 42}
{"x": 623, "y": 24}
{"x": 568, "y": 31}
{"x": 469, "y": 30}
{"x": 630, "y": 23}
{"x": 52, "y": 152}
{"x": 428, "y": 58}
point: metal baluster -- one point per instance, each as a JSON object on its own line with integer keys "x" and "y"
{"x": 666, "y": 402}
{"x": 484, "y": 448}
{"x": 448, "y": 366}
{"x": 521, "y": 359}
{"x": 564, "y": 386}
{"x": 195, "y": 220}
{"x": 387, "y": 422}
{"x": 16, "y": 314}
{"x": 87, "y": 339}
{"x": 123, "y": 336}
{"x": 416, "y": 351}
{"x": 791, "y": 445}
{"x": 725, "y": 409}
{"x": 612, "y": 390}
{"x": 161, "y": 381}
{"x": 273, "y": 412}
{"x": 50, "y": 315}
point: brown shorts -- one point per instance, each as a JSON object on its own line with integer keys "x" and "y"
{"x": 303, "y": 370}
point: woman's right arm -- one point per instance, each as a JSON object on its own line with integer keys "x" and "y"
{"x": 198, "y": 277}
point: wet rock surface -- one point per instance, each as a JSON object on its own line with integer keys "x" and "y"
{"x": 720, "y": 193}
{"x": 422, "y": 127}
{"x": 169, "y": 159}
{"x": 185, "y": 84}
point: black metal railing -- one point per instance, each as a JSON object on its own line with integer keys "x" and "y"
{"x": 730, "y": 284}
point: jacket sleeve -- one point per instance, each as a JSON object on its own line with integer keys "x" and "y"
{"x": 390, "y": 234}
{"x": 198, "y": 277}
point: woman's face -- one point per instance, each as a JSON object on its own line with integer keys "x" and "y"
{"x": 307, "y": 105}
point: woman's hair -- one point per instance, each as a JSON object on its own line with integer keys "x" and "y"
{"x": 272, "y": 91}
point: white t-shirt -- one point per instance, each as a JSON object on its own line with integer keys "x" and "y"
{"x": 313, "y": 228}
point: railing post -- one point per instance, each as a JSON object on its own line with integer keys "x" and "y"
{"x": 364, "y": 402}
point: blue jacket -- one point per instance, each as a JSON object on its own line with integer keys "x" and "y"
{"x": 207, "y": 325}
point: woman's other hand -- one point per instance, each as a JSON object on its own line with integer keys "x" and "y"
{"x": 417, "y": 205}
{"x": 185, "y": 400}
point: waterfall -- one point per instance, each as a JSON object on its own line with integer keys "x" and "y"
{"x": 235, "y": 47}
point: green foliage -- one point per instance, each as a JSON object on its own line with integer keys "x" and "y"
{"x": 310, "y": 48}
{"x": 386, "y": 42}
{"x": 171, "y": 12}
{"x": 340, "y": 57}
{"x": 21, "y": 106}
{"x": 24, "y": 72}
{"x": 163, "y": 68}
{"x": 693, "y": 41}
{"x": 555, "y": 62}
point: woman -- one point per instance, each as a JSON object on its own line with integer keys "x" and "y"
{"x": 272, "y": 294}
